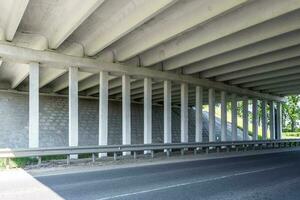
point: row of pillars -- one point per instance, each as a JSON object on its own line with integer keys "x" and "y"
{"x": 126, "y": 111}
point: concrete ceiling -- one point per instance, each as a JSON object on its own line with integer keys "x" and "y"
{"x": 250, "y": 44}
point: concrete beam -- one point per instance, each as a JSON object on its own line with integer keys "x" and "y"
{"x": 48, "y": 75}
{"x": 143, "y": 11}
{"x": 250, "y": 51}
{"x": 63, "y": 83}
{"x": 263, "y": 76}
{"x": 70, "y": 24}
{"x": 179, "y": 18}
{"x": 272, "y": 81}
{"x": 268, "y": 58}
{"x": 251, "y": 35}
{"x": 92, "y": 65}
{"x": 285, "y": 64}
{"x": 249, "y": 15}
{"x": 20, "y": 75}
{"x": 276, "y": 85}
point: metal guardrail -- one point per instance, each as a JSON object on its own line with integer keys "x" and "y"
{"x": 40, "y": 152}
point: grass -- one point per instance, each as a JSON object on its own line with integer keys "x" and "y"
{"x": 291, "y": 135}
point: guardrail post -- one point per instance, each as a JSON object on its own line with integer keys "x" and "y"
{"x": 207, "y": 150}
{"x": 168, "y": 152}
{"x": 182, "y": 151}
{"x": 195, "y": 151}
{"x": 134, "y": 155}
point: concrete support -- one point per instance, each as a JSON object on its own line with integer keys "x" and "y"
{"x": 147, "y": 110}
{"x": 245, "y": 118}
{"x": 167, "y": 112}
{"x": 254, "y": 120}
{"x": 103, "y": 110}
{"x": 278, "y": 120}
{"x": 233, "y": 117}
{"x": 184, "y": 112}
{"x": 223, "y": 116}
{"x": 126, "y": 114}
{"x": 211, "y": 126}
{"x": 33, "y": 105}
{"x": 272, "y": 121}
{"x": 73, "y": 107}
{"x": 199, "y": 114}
{"x": 264, "y": 119}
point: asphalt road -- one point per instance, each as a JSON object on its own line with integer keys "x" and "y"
{"x": 269, "y": 176}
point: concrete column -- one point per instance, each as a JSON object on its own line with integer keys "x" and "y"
{"x": 167, "y": 112}
{"x": 264, "y": 119}
{"x": 184, "y": 112}
{"x": 103, "y": 110}
{"x": 272, "y": 121}
{"x": 245, "y": 118}
{"x": 279, "y": 120}
{"x": 126, "y": 114}
{"x": 211, "y": 126}
{"x": 33, "y": 105}
{"x": 223, "y": 116}
{"x": 199, "y": 114}
{"x": 254, "y": 119}
{"x": 233, "y": 117}
{"x": 147, "y": 110}
{"x": 73, "y": 107}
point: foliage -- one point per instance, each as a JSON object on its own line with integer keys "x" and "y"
{"x": 291, "y": 111}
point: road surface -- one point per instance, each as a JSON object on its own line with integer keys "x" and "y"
{"x": 269, "y": 176}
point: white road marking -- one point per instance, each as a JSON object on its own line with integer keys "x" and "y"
{"x": 190, "y": 183}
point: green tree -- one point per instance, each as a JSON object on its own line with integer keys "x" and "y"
{"x": 291, "y": 111}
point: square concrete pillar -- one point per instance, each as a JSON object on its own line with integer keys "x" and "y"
{"x": 245, "y": 118}
{"x": 147, "y": 110}
{"x": 103, "y": 110}
{"x": 167, "y": 112}
{"x": 211, "y": 125}
{"x": 279, "y": 120}
{"x": 254, "y": 120}
{"x": 264, "y": 119}
{"x": 272, "y": 121}
{"x": 184, "y": 112}
{"x": 223, "y": 116}
{"x": 73, "y": 107}
{"x": 33, "y": 105}
{"x": 233, "y": 117}
{"x": 199, "y": 114}
{"x": 126, "y": 111}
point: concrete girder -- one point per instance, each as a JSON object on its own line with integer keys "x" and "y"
{"x": 63, "y": 83}
{"x": 250, "y": 51}
{"x": 237, "y": 40}
{"x": 179, "y": 18}
{"x": 156, "y": 90}
{"x": 125, "y": 22}
{"x": 272, "y": 57}
{"x": 47, "y": 75}
{"x": 70, "y": 24}
{"x": 251, "y": 14}
{"x": 21, "y": 74}
{"x": 290, "y": 92}
{"x": 263, "y": 76}
{"x": 93, "y": 65}
{"x": 114, "y": 84}
{"x": 272, "y": 81}
{"x": 138, "y": 90}
{"x": 90, "y": 82}
{"x": 285, "y": 64}
{"x": 283, "y": 88}
{"x": 276, "y": 85}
